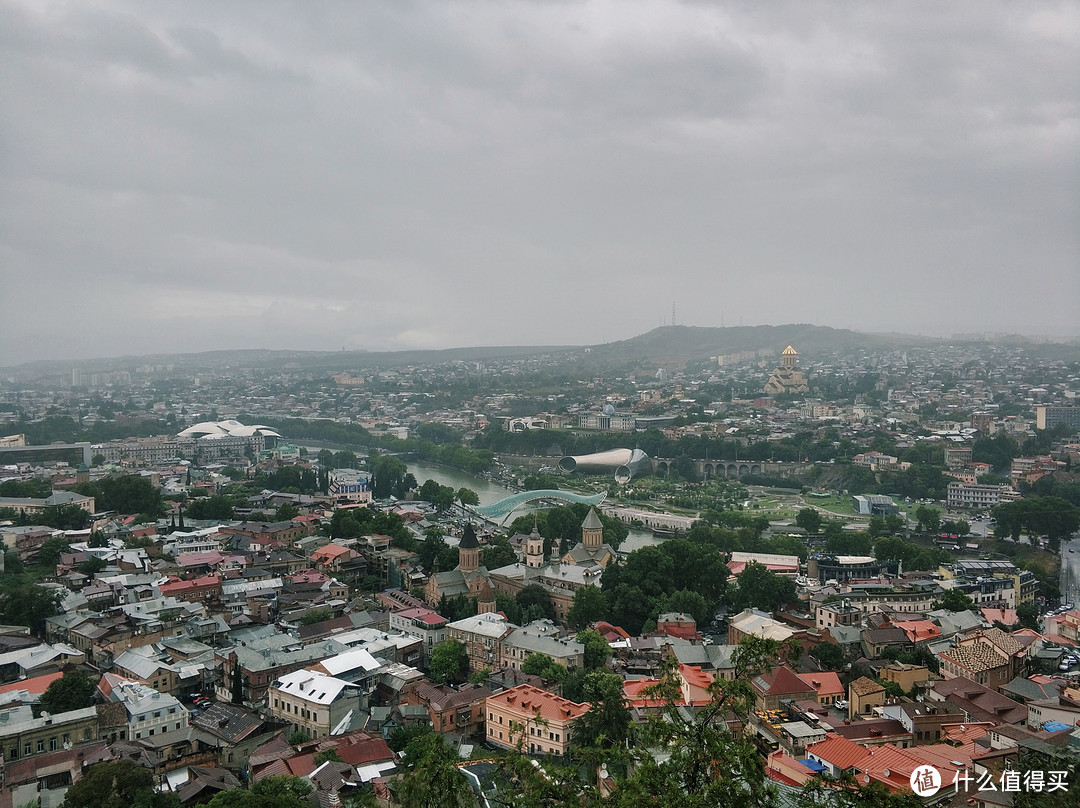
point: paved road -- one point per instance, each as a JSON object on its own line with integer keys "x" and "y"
{"x": 1070, "y": 571}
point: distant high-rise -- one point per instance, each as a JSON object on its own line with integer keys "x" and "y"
{"x": 1047, "y": 417}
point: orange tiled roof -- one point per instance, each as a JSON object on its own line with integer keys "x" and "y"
{"x": 539, "y": 702}
{"x": 824, "y": 682}
{"x": 837, "y": 751}
{"x": 36, "y": 685}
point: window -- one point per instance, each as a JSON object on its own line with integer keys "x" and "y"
{"x": 151, "y": 731}
{"x": 53, "y": 745}
{"x": 13, "y": 753}
{"x": 138, "y": 735}
{"x": 41, "y": 745}
{"x": 27, "y": 749}
{"x": 142, "y": 717}
{"x": 67, "y": 739}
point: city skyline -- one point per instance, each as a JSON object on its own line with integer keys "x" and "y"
{"x": 390, "y": 176}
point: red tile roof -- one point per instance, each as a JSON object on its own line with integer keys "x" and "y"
{"x": 781, "y": 681}
{"x": 36, "y": 685}
{"x": 837, "y": 751}
{"x": 539, "y": 702}
{"x": 825, "y": 682}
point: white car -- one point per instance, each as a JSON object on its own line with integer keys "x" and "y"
{"x": 841, "y": 704}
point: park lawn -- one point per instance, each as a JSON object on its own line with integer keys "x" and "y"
{"x": 838, "y": 505}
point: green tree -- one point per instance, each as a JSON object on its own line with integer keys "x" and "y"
{"x": 535, "y": 603}
{"x": 72, "y": 691}
{"x": 607, "y": 724}
{"x": 217, "y": 507}
{"x": 92, "y": 566}
{"x": 928, "y": 519}
{"x": 64, "y": 517}
{"x": 29, "y": 605}
{"x": 432, "y": 778}
{"x": 954, "y": 600}
{"x": 466, "y": 496}
{"x": 705, "y": 763}
{"x": 1028, "y": 615}
{"x": 327, "y": 755}
{"x": 389, "y": 476}
{"x": 762, "y": 588}
{"x": 118, "y": 784}
{"x": 400, "y": 736}
{"x": 286, "y": 512}
{"x": 315, "y": 616}
{"x": 809, "y": 519}
{"x": 686, "y": 602}
{"x": 51, "y": 549}
{"x": 499, "y": 553}
{"x": 276, "y": 791}
{"x": 589, "y": 606}
{"x": 830, "y": 656}
{"x": 449, "y": 662}
{"x": 545, "y": 667}
{"x": 597, "y": 649}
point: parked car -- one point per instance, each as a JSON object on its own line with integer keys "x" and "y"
{"x": 841, "y": 704}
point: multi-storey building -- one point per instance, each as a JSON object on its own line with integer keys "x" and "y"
{"x": 1047, "y": 417}
{"x": 539, "y": 721}
{"x": 315, "y": 703}
{"x": 979, "y": 495}
{"x": 540, "y": 637}
{"x": 482, "y": 636}
{"x": 23, "y": 736}
{"x": 422, "y": 623}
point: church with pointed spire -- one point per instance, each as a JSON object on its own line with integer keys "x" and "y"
{"x": 469, "y": 579}
{"x": 592, "y": 550}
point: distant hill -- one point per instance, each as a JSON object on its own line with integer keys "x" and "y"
{"x": 680, "y": 344}
{"x": 666, "y": 346}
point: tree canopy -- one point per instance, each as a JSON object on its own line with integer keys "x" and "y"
{"x": 118, "y": 784}
{"x": 72, "y": 691}
{"x": 449, "y": 661}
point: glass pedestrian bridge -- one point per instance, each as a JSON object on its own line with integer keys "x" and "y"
{"x": 511, "y": 503}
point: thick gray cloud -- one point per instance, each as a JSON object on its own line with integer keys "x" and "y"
{"x": 188, "y": 176}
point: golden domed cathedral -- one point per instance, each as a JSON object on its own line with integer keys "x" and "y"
{"x": 787, "y": 378}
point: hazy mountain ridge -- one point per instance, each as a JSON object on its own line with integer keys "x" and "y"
{"x": 669, "y": 345}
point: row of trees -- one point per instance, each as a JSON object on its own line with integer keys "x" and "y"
{"x": 1052, "y": 517}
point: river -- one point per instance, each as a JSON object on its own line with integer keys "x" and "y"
{"x": 491, "y": 492}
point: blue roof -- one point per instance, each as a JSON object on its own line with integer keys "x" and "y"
{"x": 813, "y": 765}
{"x": 1055, "y": 726}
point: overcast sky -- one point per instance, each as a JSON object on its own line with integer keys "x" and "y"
{"x": 382, "y": 175}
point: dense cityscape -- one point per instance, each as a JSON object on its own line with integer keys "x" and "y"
{"x": 785, "y": 567}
